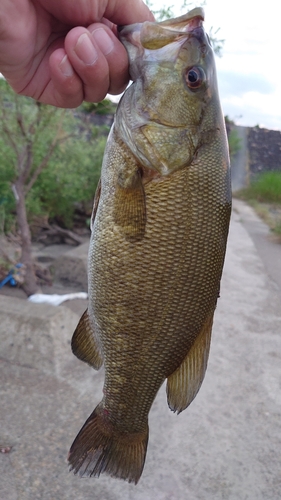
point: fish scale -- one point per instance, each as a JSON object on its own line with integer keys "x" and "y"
{"x": 159, "y": 232}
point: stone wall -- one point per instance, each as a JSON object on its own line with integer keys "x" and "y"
{"x": 260, "y": 151}
{"x": 264, "y": 150}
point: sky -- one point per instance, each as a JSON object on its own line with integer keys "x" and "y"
{"x": 249, "y": 71}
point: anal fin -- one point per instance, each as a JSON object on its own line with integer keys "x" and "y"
{"x": 184, "y": 383}
{"x": 84, "y": 344}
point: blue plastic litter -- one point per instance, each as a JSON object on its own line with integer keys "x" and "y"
{"x": 10, "y": 276}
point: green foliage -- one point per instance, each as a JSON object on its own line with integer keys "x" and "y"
{"x": 7, "y": 206}
{"x": 104, "y": 107}
{"x": 264, "y": 194}
{"x": 70, "y": 178}
{"x": 56, "y": 153}
{"x": 266, "y": 187}
{"x": 234, "y": 143}
{"x": 277, "y": 228}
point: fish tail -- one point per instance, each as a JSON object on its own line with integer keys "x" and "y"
{"x": 100, "y": 448}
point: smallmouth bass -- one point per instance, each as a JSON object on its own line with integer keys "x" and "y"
{"x": 159, "y": 232}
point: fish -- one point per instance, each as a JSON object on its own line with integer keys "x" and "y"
{"x": 159, "y": 231}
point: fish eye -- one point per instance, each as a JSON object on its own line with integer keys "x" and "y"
{"x": 194, "y": 77}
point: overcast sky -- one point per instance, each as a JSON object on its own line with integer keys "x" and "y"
{"x": 249, "y": 71}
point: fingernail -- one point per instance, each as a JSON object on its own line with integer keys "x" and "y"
{"x": 66, "y": 67}
{"x": 103, "y": 40}
{"x": 85, "y": 50}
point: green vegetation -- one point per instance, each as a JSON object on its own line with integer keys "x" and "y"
{"x": 264, "y": 194}
{"x": 70, "y": 179}
{"x": 50, "y": 162}
{"x": 58, "y": 152}
{"x": 104, "y": 107}
{"x": 234, "y": 143}
{"x": 266, "y": 187}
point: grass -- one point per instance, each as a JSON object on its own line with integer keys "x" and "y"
{"x": 265, "y": 188}
{"x": 264, "y": 194}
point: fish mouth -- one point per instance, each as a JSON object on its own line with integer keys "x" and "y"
{"x": 153, "y": 35}
{"x": 193, "y": 19}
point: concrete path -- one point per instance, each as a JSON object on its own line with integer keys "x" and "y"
{"x": 225, "y": 446}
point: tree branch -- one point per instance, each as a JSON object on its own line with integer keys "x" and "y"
{"x": 47, "y": 157}
{"x": 28, "y": 162}
{"x": 40, "y": 167}
{"x": 19, "y": 118}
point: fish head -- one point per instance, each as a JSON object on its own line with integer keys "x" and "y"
{"x": 172, "y": 107}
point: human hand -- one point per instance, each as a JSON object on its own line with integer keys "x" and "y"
{"x": 62, "y": 52}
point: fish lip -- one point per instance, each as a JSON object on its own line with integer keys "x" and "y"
{"x": 190, "y": 21}
{"x": 194, "y": 18}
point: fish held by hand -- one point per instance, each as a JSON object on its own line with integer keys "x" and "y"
{"x": 159, "y": 232}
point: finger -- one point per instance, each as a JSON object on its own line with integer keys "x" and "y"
{"x": 91, "y": 57}
{"x": 65, "y": 88}
{"x": 88, "y": 62}
{"x": 115, "y": 54}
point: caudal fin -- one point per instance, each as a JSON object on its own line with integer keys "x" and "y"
{"x": 99, "y": 448}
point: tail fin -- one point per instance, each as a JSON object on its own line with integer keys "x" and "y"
{"x": 99, "y": 448}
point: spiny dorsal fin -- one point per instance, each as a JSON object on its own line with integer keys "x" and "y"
{"x": 84, "y": 344}
{"x": 185, "y": 382}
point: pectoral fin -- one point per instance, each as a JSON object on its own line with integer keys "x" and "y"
{"x": 129, "y": 196}
{"x": 185, "y": 382}
{"x": 84, "y": 344}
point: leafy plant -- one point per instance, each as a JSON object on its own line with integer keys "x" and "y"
{"x": 50, "y": 160}
{"x": 266, "y": 187}
{"x": 104, "y": 107}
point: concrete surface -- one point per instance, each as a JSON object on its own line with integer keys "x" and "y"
{"x": 225, "y": 446}
{"x": 267, "y": 244}
{"x": 71, "y": 268}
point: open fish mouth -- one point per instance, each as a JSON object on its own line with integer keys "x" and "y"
{"x": 191, "y": 20}
{"x": 161, "y": 41}
{"x": 154, "y": 35}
